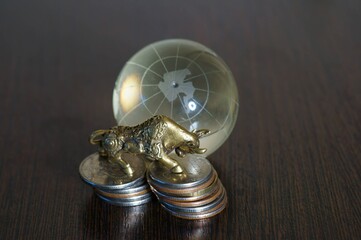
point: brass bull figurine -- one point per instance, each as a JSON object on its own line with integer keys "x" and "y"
{"x": 155, "y": 138}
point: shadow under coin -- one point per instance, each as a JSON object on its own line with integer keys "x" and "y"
{"x": 102, "y": 220}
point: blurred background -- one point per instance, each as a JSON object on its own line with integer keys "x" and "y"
{"x": 291, "y": 167}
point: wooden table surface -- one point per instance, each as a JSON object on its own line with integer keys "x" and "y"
{"x": 292, "y": 166}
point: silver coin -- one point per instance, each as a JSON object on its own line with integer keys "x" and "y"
{"x": 138, "y": 184}
{"x": 199, "y": 209}
{"x": 102, "y": 174}
{"x": 129, "y": 199}
{"x": 127, "y": 204}
{"x": 133, "y": 189}
{"x": 196, "y": 170}
{"x": 122, "y": 196}
{"x": 180, "y": 198}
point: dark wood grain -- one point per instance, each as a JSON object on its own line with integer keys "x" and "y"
{"x": 291, "y": 167}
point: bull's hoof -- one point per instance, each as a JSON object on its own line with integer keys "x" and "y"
{"x": 177, "y": 169}
{"x": 128, "y": 170}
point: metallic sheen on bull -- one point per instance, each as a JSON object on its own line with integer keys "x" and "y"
{"x": 155, "y": 138}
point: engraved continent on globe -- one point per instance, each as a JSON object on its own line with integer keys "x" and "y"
{"x": 175, "y": 85}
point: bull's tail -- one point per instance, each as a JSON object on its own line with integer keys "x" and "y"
{"x": 96, "y": 136}
{"x": 201, "y": 133}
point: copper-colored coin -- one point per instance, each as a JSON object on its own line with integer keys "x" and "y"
{"x": 201, "y": 202}
{"x": 224, "y": 196}
{"x": 207, "y": 214}
{"x": 195, "y": 210}
{"x": 129, "y": 199}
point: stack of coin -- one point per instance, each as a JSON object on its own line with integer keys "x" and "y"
{"x": 112, "y": 184}
{"x": 196, "y": 193}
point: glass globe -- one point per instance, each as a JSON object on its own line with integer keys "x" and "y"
{"x": 183, "y": 80}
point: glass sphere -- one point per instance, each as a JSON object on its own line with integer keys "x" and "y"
{"x": 183, "y": 80}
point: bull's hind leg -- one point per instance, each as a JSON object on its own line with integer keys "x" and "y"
{"x": 123, "y": 164}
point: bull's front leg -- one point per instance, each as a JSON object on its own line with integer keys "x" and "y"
{"x": 163, "y": 157}
{"x": 123, "y": 164}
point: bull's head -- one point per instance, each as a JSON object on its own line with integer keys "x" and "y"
{"x": 108, "y": 142}
{"x": 192, "y": 146}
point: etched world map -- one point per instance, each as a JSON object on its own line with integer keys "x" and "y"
{"x": 174, "y": 84}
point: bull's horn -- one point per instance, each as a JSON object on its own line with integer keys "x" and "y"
{"x": 202, "y": 132}
{"x": 94, "y": 137}
{"x": 200, "y": 150}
